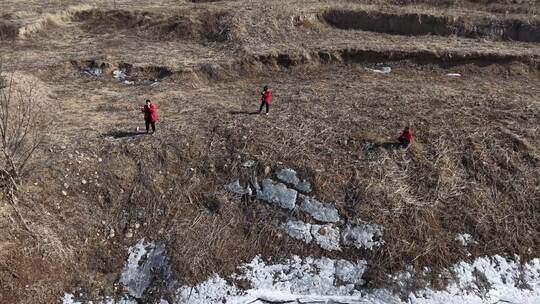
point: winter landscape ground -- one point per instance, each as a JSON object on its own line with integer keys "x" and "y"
{"x": 313, "y": 203}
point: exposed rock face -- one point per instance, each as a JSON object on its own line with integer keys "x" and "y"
{"x": 145, "y": 262}
{"x": 299, "y": 230}
{"x": 289, "y": 176}
{"x": 236, "y": 188}
{"x": 319, "y": 211}
{"x": 362, "y": 236}
{"x": 304, "y": 186}
{"x": 278, "y": 194}
{"x": 326, "y": 236}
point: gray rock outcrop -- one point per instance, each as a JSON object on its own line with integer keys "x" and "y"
{"x": 321, "y": 212}
{"x": 278, "y": 194}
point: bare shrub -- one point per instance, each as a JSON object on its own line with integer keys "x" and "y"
{"x": 22, "y": 126}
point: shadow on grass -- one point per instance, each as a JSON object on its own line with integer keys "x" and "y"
{"x": 243, "y": 112}
{"x": 123, "y": 134}
{"x": 386, "y": 145}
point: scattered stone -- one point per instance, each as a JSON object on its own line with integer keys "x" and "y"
{"x": 349, "y": 272}
{"x": 465, "y": 239}
{"x": 66, "y": 185}
{"x": 277, "y": 193}
{"x": 64, "y": 192}
{"x": 84, "y": 182}
{"x": 362, "y": 236}
{"x": 137, "y": 225}
{"x": 111, "y": 233}
{"x": 129, "y": 82}
{"x": 299, "y": 230}
{"x": 267, "y": 170}
{"x": 236, "y": 188}
{"x": 321, "y": 212}
{"x": 288, "y": 176}
{"x": 304, "y": 186}
{"x": 145, "y": 262}
{"x": 129, "y": 234}
{"x": 453, "y": 75}
{"x": 326, "y": 236}
{"x": 99, "y": 160}
{"x": 249, "y": 164}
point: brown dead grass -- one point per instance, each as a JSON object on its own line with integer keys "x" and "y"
{"x": 473, "y": 167}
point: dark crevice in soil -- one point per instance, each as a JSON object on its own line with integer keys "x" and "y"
{"x": 425, "y": 24}
{"x": 250, "y": 65}
{"x": 210, "y": 26}
{"x": 8, "y": 30}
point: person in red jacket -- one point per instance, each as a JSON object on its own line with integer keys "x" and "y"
{"x": 150, "y": 115}
{"x": 406, "y": 137}
{"x": 266, "y": 95}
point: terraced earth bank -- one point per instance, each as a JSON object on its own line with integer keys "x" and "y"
{"x": 315, "y": 202}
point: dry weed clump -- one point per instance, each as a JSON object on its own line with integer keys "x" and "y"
{"x": 47, "y": 21}
{"x": 211, "y": 26}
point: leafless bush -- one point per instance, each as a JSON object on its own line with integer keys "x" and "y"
{"x": 21, "y": 126}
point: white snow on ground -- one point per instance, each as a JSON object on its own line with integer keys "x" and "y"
{"x": 363, "y": 235}
{"x": 465, "y": 239}
{"x": 308, "y": 280}
{"x": 326, "y": 236}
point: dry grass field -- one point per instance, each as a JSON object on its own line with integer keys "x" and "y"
{"x": 474, "y": 165}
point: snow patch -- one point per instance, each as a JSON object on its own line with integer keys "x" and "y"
{"x": 362, "y": 236}
{"x": 326, "y": 236}
{"x": 465, "y": 239}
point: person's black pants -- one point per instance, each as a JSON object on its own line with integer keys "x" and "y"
{"x": 263, "y": 103}
{"x": 152, "y": 123}
{"x": 404, "y": 142}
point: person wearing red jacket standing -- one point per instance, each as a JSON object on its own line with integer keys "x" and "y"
{"x": 406, "y": 137}
{"x": 266, "y": 96}
{"x": 150, "y": 115}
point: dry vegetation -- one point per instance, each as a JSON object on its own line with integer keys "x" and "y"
{"x": 474, "y": 166}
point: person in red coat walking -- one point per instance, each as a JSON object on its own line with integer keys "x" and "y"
{"x": 150, "y": 115}
{"x": 266, "y": 96}
{"x": 406, "y": 137}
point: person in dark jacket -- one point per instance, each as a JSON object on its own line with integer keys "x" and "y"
{"x": 266, "y": 96}
{"x": 406, "y": 137}
{"x": 150, "y": 115}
